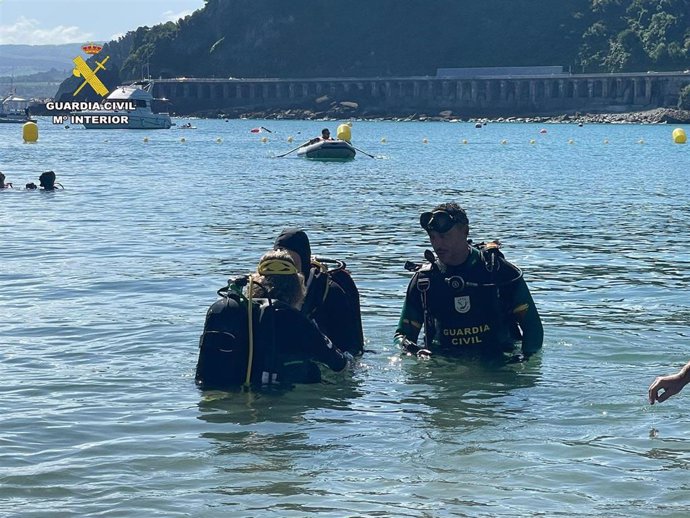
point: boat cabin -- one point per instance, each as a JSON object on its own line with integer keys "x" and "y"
{"x": 15, "y": 105}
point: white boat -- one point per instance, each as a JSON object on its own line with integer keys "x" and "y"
{"x": 15, "y": 109}
{"x": 137, "y": 112}
{"x": 328, "y": 150}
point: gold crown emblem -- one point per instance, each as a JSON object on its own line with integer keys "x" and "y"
{"x": 92, "y": 48}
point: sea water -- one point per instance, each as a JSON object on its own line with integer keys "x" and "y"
{"x": 104, "y": 287}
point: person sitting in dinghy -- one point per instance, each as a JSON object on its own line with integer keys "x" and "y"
{"x": 325, "y": 135}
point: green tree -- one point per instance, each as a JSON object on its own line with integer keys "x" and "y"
{"x": 629, "y": 35}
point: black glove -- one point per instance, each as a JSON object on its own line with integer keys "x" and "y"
{"x": 412, "y": 349}
{"x": 409, "y": 347}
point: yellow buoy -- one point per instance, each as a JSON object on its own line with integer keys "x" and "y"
{"x": 30, "y": 132}
{"x": 532, "y": 141}
{"x": 641, "y": 141}
{"x": 344, "y": 132}
{"x": 571, "y": 141}
{"x": 290, "y": 139}
{"x": 679, "y": 136}
{"x": 219, "y": 140}
{"x": 464, "y": 141}
{"x": 264, "y": 139}
{"x": 504, "y": 141}
{"x": 146, "y": 139}
{"x": 383, "y": 140}
{"x": 606, "y": 141}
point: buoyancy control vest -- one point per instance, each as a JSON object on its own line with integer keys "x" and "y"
{"x": 343, "y": 279}
{"x": 259, "y": 341}
{"x": 462, "y": 309}
{"x": 318, "y": 286}
{"x": 237, "y": 342}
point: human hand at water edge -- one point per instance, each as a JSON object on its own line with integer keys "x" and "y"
{"x": 670, "y": 385}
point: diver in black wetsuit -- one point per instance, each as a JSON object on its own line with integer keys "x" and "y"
{"x": 332, "y": 298}
{"x": 282, "y": 346}
{"x": 469, "y": 301}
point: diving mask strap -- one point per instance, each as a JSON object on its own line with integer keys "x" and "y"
{"x": 277, "y": 267}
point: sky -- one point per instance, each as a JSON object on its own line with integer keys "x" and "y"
{"x": 52, "y": 22}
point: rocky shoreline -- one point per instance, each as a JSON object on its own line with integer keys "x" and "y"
{"x": 656, "y": 116}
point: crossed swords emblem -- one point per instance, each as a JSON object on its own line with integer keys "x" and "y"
{"x": 83, "y": 70}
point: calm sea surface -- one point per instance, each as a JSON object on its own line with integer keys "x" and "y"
{"x": 104, "y": 288}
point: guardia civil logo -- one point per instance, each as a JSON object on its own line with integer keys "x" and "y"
{"x": 81, "y": 69}
{"x": 462, "y": 304}
{"x": 88, "y": 112}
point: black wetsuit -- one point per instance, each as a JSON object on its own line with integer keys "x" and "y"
{"x": 298, "y": 345}
{"x": 336, "y": 315}
{"x": 334, "y": 308}
{"x": 286, "y": 346}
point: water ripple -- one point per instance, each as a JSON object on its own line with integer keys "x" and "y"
{"x": 104, "y": 287}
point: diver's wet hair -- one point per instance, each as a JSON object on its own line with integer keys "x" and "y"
{"x": 277, "y": 278}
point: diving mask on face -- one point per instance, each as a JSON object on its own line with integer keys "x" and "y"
{"x": 439, "y": 221}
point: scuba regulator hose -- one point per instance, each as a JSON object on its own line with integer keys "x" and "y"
{"x": 250, "y": 355}
{"x": 458, "y": 283}
{"x": 234, "y": 287}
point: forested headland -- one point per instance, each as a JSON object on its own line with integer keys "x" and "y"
{"x": 274, "y": 38}
{"x": 385, "y": 38}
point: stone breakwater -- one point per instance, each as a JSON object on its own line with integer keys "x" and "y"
{"x": 489, "y": 97}
{"x": 656, "y": 116}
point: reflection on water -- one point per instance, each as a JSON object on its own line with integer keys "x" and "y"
{"x": 278, "y": 404}
{"x": 472, "y": 393}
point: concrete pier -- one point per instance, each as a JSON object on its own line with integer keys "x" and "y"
{"x": 465, "y": 97}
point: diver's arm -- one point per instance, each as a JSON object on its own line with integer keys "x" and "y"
{"x": 526, "y": 314}
{"x": 332, "y": 356}
{"x": 321, "y": 349}
{"x": 410, "y": 323}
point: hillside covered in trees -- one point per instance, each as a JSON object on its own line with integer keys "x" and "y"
{"x": 365, "y": 38}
